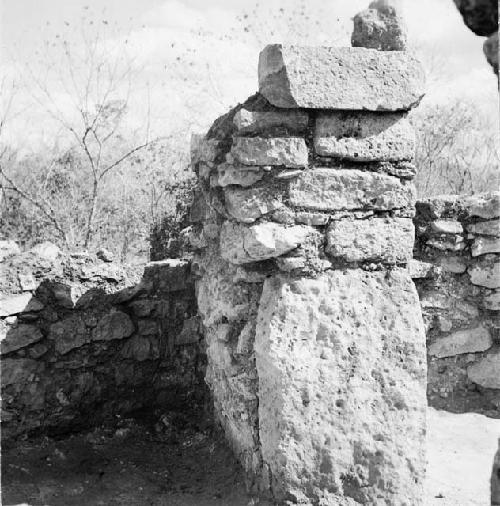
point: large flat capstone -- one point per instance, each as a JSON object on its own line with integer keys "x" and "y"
{"x": 340, "y": 78}
{"x": 341, "y": 366}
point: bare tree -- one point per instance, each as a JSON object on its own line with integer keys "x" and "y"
{"x": 107, "y": 178}
{"x": 8, "y": 91}
{"x": 95, "y": 82}
{"x": 457, "y": 149}
{"x": 85, "y": 87}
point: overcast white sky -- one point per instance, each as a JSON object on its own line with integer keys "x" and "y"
{"x": 225, "y": 56}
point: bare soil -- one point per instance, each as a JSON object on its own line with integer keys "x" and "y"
{"x": 169, "y": 460}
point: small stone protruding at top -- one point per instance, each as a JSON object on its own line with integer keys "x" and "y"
{"x": 380, "y": 27}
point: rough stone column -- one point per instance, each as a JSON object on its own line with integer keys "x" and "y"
{"x": 315, "y": 340}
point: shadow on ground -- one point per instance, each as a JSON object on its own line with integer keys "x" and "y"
{"x": 170, "y": 462}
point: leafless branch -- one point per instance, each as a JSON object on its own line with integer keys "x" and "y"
{"x": 44, "y": 208}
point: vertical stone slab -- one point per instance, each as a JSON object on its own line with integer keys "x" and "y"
{"x": 341, "y": 367}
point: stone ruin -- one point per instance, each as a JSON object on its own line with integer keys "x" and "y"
{"x": 298, "y": 307}
{"x": 85, "y": 340}
{"x": 315, "y": 338}
{"x": 457, "y": 273}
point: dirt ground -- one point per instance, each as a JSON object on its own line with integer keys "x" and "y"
{"x": 171, "y": 462}
{"x": 174, "y": 462}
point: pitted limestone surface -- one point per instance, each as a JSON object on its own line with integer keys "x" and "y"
{"x": 341, "y": 366}
{"x": 363, "y": 79}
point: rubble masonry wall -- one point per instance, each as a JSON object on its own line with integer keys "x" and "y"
{"x": 84, "y": 341}
{"x": 457, "y": 273}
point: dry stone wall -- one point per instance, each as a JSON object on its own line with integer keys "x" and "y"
{"x": 84, "y": 340}
{"x": 62, "y": 370}
{"x": 303, "y": 230}
{"x": 457, "y": 272}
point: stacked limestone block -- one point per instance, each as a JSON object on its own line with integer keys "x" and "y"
{"x": 458, "y": 279}
{"x": 83, "y": 341}
{"x": 303, "y": 225}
